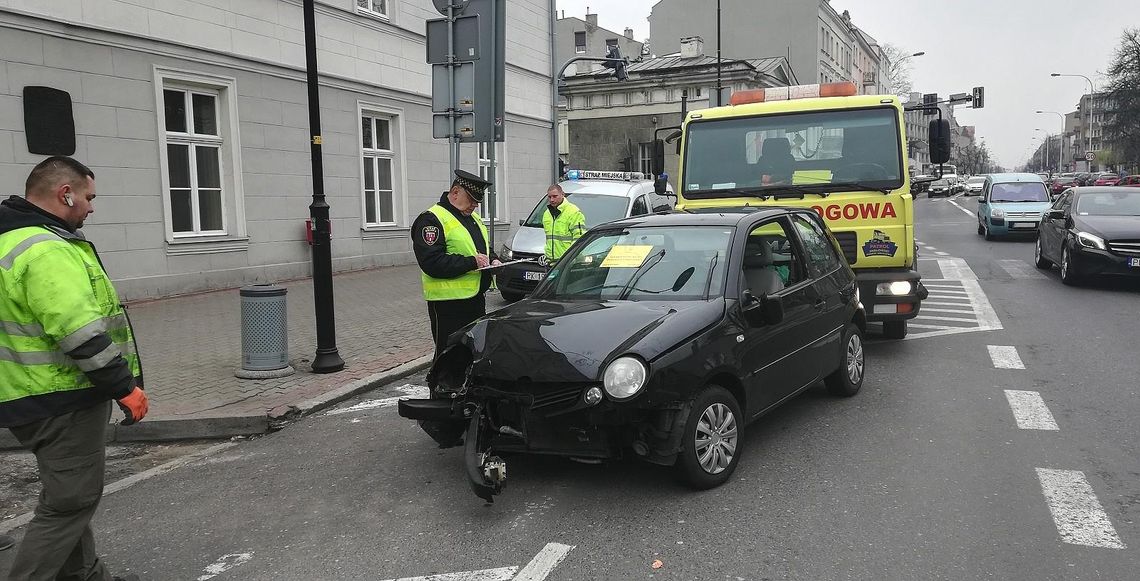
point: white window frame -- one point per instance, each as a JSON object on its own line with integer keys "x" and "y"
{"x": 395, "y": 117}
{"x": 228, "y": 141}
{"x": 645, "y": 158}
{"x": 502, "y": 195}
{"x": 580, "y": 48}
{"x": 385, "y": 14}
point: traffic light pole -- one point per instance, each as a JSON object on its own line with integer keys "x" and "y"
{"x": 328, "y": 358}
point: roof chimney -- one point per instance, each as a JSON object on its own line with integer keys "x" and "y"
{"x": 592, "y": 19}
{"x": 692, "y": 47}
{"x": 629, "y": 33}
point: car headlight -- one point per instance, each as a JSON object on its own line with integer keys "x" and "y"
{"x": 997, "y": 213}
{"x": 1090, "y": 241}
{"x": 897, "y": 288}
{"x": 624, "y": 377}
{"x": 507, "y": 253}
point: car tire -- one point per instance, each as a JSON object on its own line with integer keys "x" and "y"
{"x": 511, "y": 297}
{"x": 894, "y": 329}
{"x": 981, "y": 229}
{"x": 986, "y": 234}
{"x": 713, "y": 411}
{"x": 1039, "y": 257}
{"x": 848, "y": 378}
{"x": 1067, "y": 275}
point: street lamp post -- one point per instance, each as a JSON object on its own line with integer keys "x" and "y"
{"x": 1045, "y": 144}
{"x": 1060, "y": 146}
{"x": 1092, "y": 96}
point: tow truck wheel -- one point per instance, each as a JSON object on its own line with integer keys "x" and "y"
{"x": 711, "y": 444}
{"x": 894, "y": 329}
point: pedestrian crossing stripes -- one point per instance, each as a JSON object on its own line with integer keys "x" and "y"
{"x": 956, "y": 304}
{"x": 1019, "y": 269}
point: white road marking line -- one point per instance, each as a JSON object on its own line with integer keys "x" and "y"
{"x": 224, "y": 564}
{"x": 1030, "y": 411}
{"x": 956, "y": 268}
{"x": 969, "y": 212}
{"x": 914, "y": 325}
{"x": 942, "y": 254}
{"x": 544, "y": 562}
{"x": 942, "y": 304}
{"x": 409, "y": 390}
{"x": 1019, "y": 269}
{"x": 941, "y": 286}
{"x": 946, "y": 292}
{"x": 955, "y": 311}
{"x": 19, "y": 521}
{"x": 1076, "y": 511}
{"x": 1005, "y": 357}
{"x": 954, "y": 319}
{"x": 931, "y": 248}
{"x": 500, "y": 574}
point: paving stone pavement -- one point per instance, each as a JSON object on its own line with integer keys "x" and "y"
{"x": 191, "y": 345}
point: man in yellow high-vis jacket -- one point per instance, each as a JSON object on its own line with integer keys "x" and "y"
{"x": 450, "y": 243}
{"x": 562, "y": 222}
{"x": 66, "y": 352}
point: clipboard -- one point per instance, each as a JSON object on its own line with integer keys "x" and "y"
{"x": 509, "y": 262}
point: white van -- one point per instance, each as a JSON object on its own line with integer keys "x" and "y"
{"x": 602, "y": 197}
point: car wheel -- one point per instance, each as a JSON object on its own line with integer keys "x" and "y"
{"x": 711, "y": 444}
{"x": 511, "y": 297}
{"x": 1039, "y": 258}
{"x": 986, "y": 234}
{"x": 894, "y": 329}
{"x": 981, "y": 229}
{"x": 1067, "y": 275}
{"x": 847, "y": 380}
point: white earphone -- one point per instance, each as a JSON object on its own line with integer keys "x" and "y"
{"x": 68, "y": 200}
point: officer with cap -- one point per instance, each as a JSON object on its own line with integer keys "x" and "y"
{"x": 450, "y": 245}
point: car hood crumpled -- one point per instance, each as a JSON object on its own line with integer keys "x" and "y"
{"x": 572, "y": 341}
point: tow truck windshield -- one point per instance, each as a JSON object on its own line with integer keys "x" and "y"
{"x": 811, "y": 152}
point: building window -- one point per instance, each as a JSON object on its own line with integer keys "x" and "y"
{"x": 381, "y": 169}
{"x": 580, "y": 42}
{"x": 373, "y": 7}
{"x": 645, "y": 158}
{"x": 611, "y": 42}
{"x": 499, "y": 179}
{"x": 198, "y": 145}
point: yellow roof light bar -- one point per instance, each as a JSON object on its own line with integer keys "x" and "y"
{"x": 844, "y": 89}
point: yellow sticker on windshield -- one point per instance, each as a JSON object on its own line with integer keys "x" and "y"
{"x": 811, "y": 176}
{"x": 627, "y": 256}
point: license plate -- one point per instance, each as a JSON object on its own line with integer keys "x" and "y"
{"x": 532, "y": 275}
{"x": 1134, "y": 262}
{"x": 1023, "y": 225}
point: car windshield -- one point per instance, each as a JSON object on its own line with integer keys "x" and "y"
{"x": 976, "y": 181}
{"x": 1019, "y": 192}
{"x": 1108, "y": 204}
{"x": 597, "y": 208}
{"x": 857, "y": 147}
{"x": 652, "y": 263}
{"x": 942, "y": 182}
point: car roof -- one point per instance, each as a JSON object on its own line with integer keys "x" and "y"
{"x": 1013, "y": 177}
{"x": 709, "y": 217}
{"x": 604, "y": 187}
{"x": 1104, "y": 190}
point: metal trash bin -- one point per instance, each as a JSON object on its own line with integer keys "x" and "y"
{"x": 264, "y": 332}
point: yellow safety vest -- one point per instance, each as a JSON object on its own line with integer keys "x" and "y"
{"x": 563, "y": 231}
{"x": 459, "y": 241}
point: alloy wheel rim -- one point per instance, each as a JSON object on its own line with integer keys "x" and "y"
{"x": 854, "y": 359}
{"x": 1037, "y": 250}
{"x": 716, "y": 438}
{"x": 1065, "y": 263}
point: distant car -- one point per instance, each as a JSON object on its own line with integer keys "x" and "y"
{"x": 1091, "y": 231}
{"x": 1130, "y": 181}
{"x": 940, "y": 187}
{"x": 1085, "y": 178}
{"x": 1011, "y": 203}
{"x": 1106, "y": 179}
{"x": 974, "y": 185}
{"x": 657, "y": 336}
{"x": 1061, "y": 184}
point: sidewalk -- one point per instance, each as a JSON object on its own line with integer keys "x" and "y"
{"x": 190, "y": 347}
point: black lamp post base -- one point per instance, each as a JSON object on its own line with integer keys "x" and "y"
{"x": 327, "y": 361}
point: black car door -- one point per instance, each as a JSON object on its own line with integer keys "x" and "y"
{"x": 774, "y": 355}
{"x": 1052, "y": 231}
{"x": 829, "y": 292}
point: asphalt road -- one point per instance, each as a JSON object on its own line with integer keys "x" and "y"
{"x": 925, "y": 474}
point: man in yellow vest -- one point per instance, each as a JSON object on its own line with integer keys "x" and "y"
{"x": 66, "y": 351}
{"x": 450, "y": 244}
{"x": 562, "y": 222}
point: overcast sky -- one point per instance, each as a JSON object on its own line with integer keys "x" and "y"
{"x": 1007, "y": 46}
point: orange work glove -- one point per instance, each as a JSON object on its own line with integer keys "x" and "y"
{"x": 134, "y": 406}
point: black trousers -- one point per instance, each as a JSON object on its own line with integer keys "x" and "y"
{"x": 448, "y": 317}
{"x": 59, "y": 544}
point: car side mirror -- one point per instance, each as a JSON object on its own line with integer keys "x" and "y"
{"x": 940, "y": 145}
{"x": 522, "y": 221}
{"x": 658, "y": 164}
{"x": 1055, "y": 214}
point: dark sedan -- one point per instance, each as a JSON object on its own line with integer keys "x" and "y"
{"x": 660, "y": 336}
{"x": 1091, "y": 231}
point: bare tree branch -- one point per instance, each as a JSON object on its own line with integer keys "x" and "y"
{"x": 896, "y": 70}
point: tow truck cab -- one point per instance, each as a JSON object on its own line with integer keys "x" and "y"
{"x": 826, "y": 148}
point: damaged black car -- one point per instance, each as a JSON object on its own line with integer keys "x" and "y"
{"x": 659, "y": 336}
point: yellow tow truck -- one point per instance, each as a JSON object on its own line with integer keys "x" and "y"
{"x": 827, "y": 148}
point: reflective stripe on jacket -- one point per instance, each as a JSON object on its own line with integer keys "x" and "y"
{"x": 64, "y": 335}
{"x": 459, "y": 241}
{"x": 561, "y": 232}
